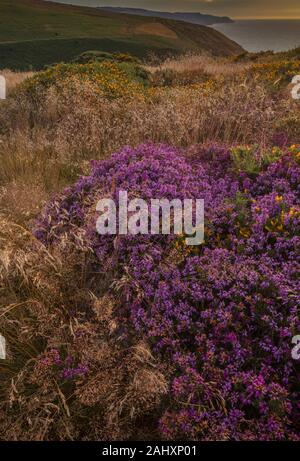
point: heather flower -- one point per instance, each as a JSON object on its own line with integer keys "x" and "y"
{"x": 64, "y": 367}
{"x": 220, "y": 317}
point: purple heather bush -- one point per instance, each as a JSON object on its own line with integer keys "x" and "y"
{"x": 221, "y": 316}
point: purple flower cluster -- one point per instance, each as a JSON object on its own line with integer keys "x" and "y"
{"x": 66, "y": 368}
{"x": 221, "y": 316}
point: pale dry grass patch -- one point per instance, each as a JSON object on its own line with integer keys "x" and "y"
{"x": 203, "y": 64}
{"x": 13, "y": 79}
{"x": 176, "y": 116}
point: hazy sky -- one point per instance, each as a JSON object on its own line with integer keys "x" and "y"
{"x": 233, "y": 8}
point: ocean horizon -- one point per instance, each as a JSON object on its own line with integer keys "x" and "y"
{"x": 252, "y": 34}
{"x": 263, "y": 34}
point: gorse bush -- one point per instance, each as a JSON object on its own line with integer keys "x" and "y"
{"x": 276, "y": 74}
{"x": 219, "y": 317}
{"x": 111, "y": 79}
{"x": 99, "y": 56}
{"x": 250, "y": 160}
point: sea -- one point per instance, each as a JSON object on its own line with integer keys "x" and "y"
{"x": 263, "y": 35}
{"x": 253, "y": 35}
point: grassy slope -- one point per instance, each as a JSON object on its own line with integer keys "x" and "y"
{"x": 33, "y": 32}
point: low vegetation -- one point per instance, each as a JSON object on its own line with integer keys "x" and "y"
{"x": 145, "y": 338}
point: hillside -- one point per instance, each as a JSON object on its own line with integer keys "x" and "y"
{"x": 35, "y": 33}
{"x": 142, "y": 337}
{"x": 194, "y": 18}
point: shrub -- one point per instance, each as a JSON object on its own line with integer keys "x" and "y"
{"x": 99, "y": 56}
{"x": 275, "y": 74}
{"x": 111, "y": 79}
{"x": 219, "y": 318}
{"x": 251, "y": 160}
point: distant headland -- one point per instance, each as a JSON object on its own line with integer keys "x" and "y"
{"x": 194, "y": 18}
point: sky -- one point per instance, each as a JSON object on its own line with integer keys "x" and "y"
{"x": 238, "y": 9}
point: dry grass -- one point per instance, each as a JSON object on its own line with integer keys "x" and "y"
{"x": 202, "y": 64}
{"x": 49, "y": 303}
{"x": 13, "y": 79}
{"x": 46, "y": 144}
